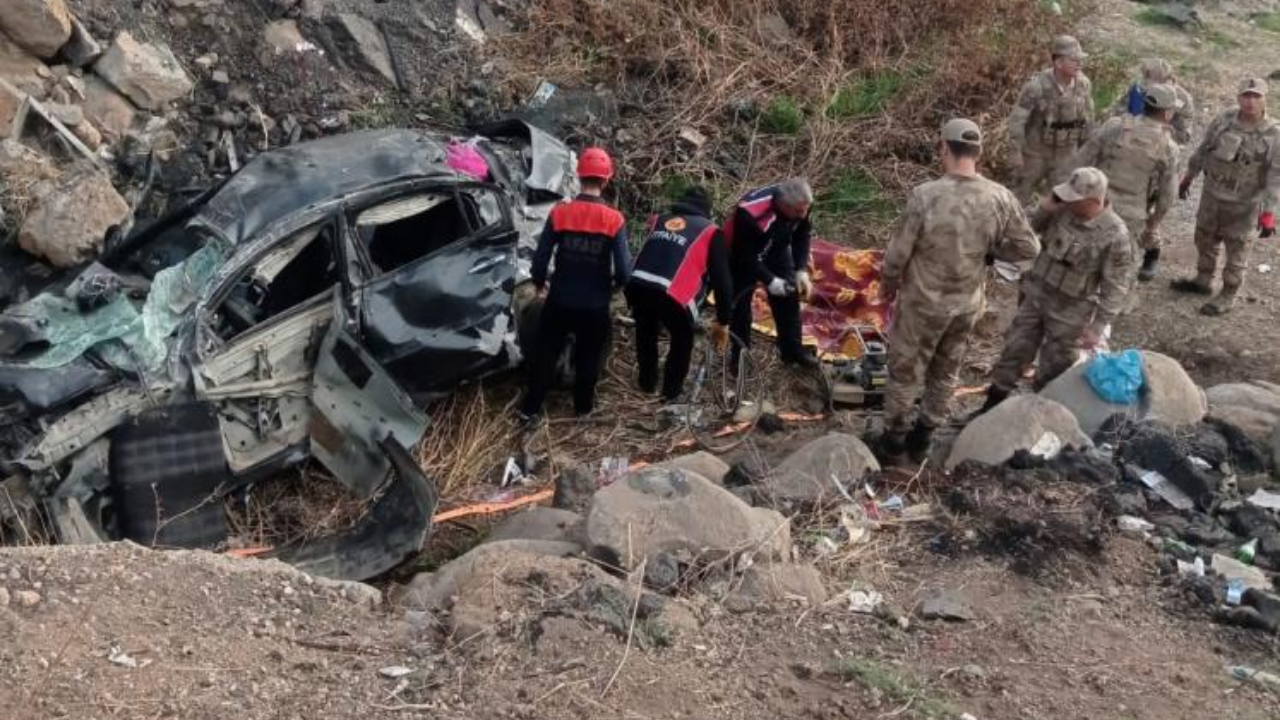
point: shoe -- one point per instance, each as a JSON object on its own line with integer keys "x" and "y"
{"x": 919, "y": 442}
{"x": 1220, "y": 305}
{"x": 1195, "y": 286}
{"x": 890, "y": 449}
{"x": 1150, "y": 259}
{"x": 803, "y": 361}
{"x": 995, "y": 396}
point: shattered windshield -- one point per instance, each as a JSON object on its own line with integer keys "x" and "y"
{"x": 126, "y": 336}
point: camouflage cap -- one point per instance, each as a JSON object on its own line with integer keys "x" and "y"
{"x": 962, "y": 131}
{"x": 1256, "y": 86}
{"x": 1085, "y": 182}
{"x": 1156, "y": 70}
{"x": 1161, "y": 97}
{"x": 1067, "y": 46}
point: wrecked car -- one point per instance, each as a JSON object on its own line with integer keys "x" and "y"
{"x": 304, "y": 308}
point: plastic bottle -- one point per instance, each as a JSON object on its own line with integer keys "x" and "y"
{"x": 1246, "y": 552}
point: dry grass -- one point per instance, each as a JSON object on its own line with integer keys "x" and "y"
{"x": 293, "y": 507}
{"x": 17, "y": 192}
{"x": 871, "y": 81}
{"x": 472, "y": 434}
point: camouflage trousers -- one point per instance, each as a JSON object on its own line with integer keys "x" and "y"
{"x": 1041, "y": 165}
{"x": 925, "y": 354}
{"x": 1229, "y": 225}
{"x": 1048, "y": 323}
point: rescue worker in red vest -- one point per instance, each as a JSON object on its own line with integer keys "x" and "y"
{"x": 684, "y": 248}
{"x": 588, "y": 238}
{"x": 768, "y": 234}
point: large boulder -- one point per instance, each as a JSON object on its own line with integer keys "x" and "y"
{"x": 539, "y": 523}
{"x": 766, "y": 584}
{"x": 1169, "y": 396}
{"x": 108, "y": 110}
{"x": 807, "y": 476}
{"x": 700, "y": 463}
{"x": 1251, "y": 395}
{"x": 1019, "y": 423}
{"x": 658, "y": 510}
{"x": 22, "y": 69}
{"x": 82, "y": 49}
{"x": 1257, "y": 425}
{"x": 365, "y": 44}
{"x": 41, "y": 26}
{"x": 70, "y": 217}
{"x": 147, "y": 74}
{"x": 437, "y": 590}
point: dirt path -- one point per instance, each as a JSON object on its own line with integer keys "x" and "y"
{"x": 1245, "y": 344}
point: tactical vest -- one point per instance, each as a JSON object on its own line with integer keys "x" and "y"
{"x": 674, "y": 256}
{"x": 1236, "y": 164}
{"x": 1070, "y": 261}
{"x": 1129, "y": 161}
{"x": 1065, "y": 115}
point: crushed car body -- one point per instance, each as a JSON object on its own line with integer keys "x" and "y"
{"x": 306, "y": 307}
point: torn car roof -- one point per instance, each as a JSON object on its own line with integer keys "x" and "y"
{"x": 276, "y": 184}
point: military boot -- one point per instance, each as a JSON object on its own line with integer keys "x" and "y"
{"x": 890, "y": 448}
{"x": 1222, "y": 304}
{"x": 1201, "y": 285}
{"x": 995, "y": 396}
{"x": 919, "y": 442}
{"x": 1150, "y": 259}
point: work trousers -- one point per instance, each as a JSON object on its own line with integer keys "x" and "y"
{"x": 1048, "y": 324}
{"x": 655, "y": 310}
{"x": 786, "y": 320}
{"x": 1224, "y": 224}
{"x": 590, "y": 330}
{"x": 1042, "y": 168}
{"x": 925, "y": 355}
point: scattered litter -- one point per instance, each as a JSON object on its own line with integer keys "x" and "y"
{"x": 892, "y": 504}
{"x": 513, "y": 473}
{"x": 612, "y": 469}
{"x": 1167, "y": 491}
{"x": 542, "y": 95}
{"x": 1264, "y": 269}
{"x": 969, "y": 716}
{"x": 1116, "y": 378}
{"x": 1265, "y": 499}
{"x": 1199, "y": 462}
{"x": 1247, "y": 552}
{"x": 1048, "y": 446}
{"x": 121, "y": 658}
{"x": 394, "y": 671}
{"x": 826, "y": 546}
{"x": 917, "y": 512}
{"x": 1232, "y": 569}
{"x": 864, "y": 602}
{"x": 693, "y": 137}
{"x": 1131, "y": 524}
{"x": 1191, "y": 569}
{"x": 1248, "y": 674}
{"x": 945, "y": 605}
{"x": 1235, "y": 591}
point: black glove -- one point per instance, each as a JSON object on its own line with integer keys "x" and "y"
{"x": 1184, "y": 188}
{"x": 990, "y": 259}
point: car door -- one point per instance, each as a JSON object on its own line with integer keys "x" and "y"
{"x": 437, "y": 309}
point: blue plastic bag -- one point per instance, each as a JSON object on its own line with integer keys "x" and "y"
{"x": 1136, "y": 99}
{"x": 1116, "y": 377}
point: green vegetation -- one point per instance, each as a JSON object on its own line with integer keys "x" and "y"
{"x": 1220, "y": 40}
{"x": 876, "y": 676}
{"x": 1267, "y": 21}
{"x": 1154, "y": 18}
{"x": 852, "y": 194}
{"x": 1111, "y": 74}
{"x": 865, "y": 95}
{"x": 782, "y": 116}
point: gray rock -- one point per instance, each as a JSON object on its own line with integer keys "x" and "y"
{"x": 1016, "y": 424}
{"x": 807, "y": 477}
{"x": 662, "y": 510}
{"x": 280, "y": 41}
{"x": 944, "y": 605}
{"x": 662, "y": 572}
{"x": 21, "y": 68}
{"x": 26, "y": 598}
{"x": 41, "y": 26}
{"x": 70, "y": 217}
{"x": 775, "y": 583}
{"x": 148, "y": 74}
{"x": 700, "y": 463}
{"x": 574, "y": 488}
{"x": 4, "y": 597}
{"x": 539, "y": 523}
{"x": 1246, "y": 395}
{"x": 82, "y": 49}
{"x": 1169, "y": 396}
{"x": 1257, "y": 425}
{"x": 366, "y": 44}
{"x": 108, "y": 110}
{"x": 436, "y": 590}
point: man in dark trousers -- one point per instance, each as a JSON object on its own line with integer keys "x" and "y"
{"x": 684, "y": 247}
{"x": 768, "y": 234}
{"x": 589, "y": 240}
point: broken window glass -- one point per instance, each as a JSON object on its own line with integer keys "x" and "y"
{"x": 403, "y": 230}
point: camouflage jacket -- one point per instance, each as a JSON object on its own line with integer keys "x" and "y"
{"x": 1241, "y": 165}
{"x": 936, "y": 261}
{"x": 1087, "y": 260}
{"x": 1140, "y": 160}
{"x": 1049, "y": 118}
{"x": 1183, "y": 116}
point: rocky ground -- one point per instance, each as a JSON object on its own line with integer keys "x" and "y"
{"x": 756, "y": 591}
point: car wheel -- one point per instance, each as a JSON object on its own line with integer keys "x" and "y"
{"x": 168, "y": 472}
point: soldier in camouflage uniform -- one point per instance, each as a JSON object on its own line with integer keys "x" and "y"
{"x": 1053, "y": 117}
{"x": 1140, "y": 160}
{"x": 934, "y": 269}
{"x": 1075, "y": 288}
{"x": 1240, "y": 157}
{"x": 1156, "y": 71}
